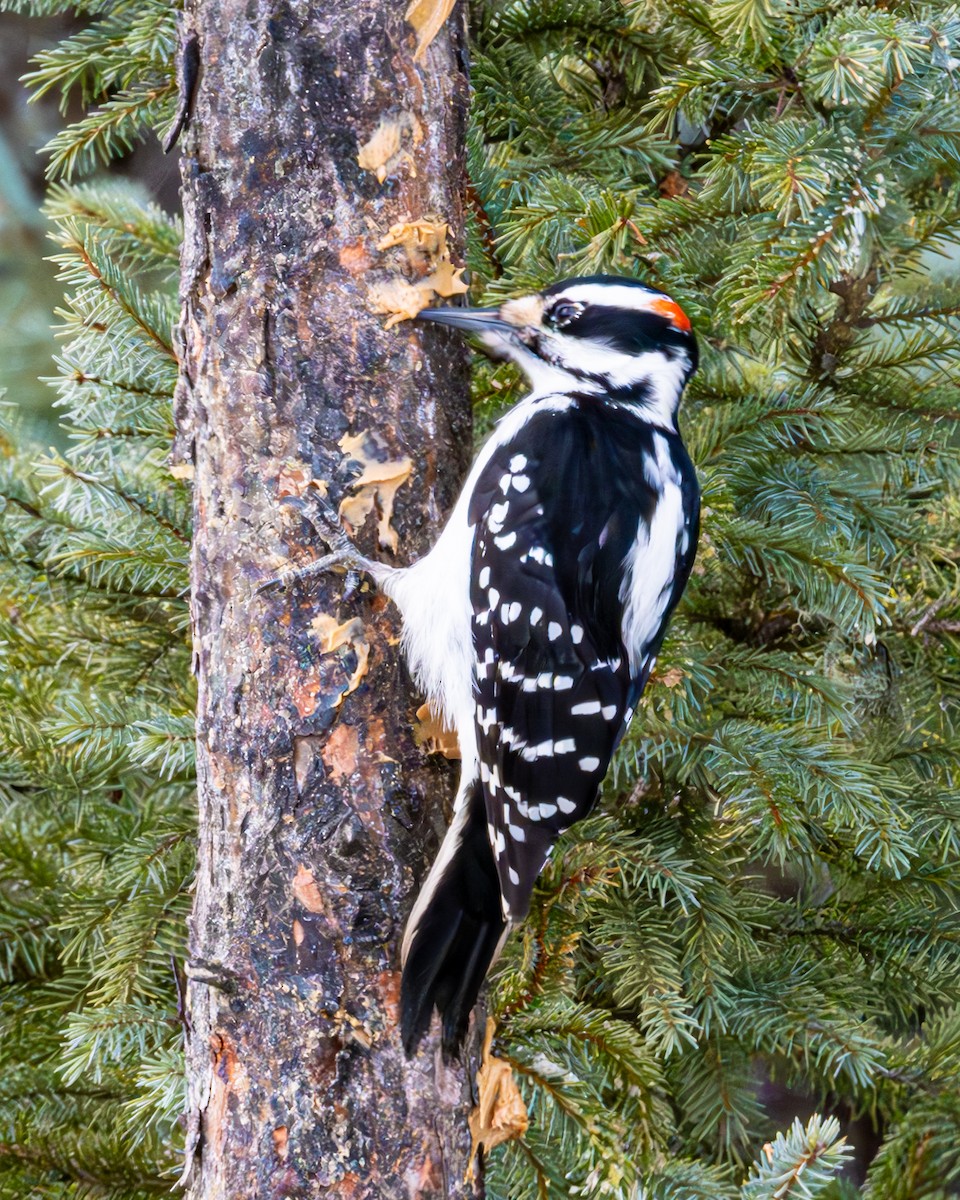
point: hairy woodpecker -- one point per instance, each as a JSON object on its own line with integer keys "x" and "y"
{"x": 534, "y": 622}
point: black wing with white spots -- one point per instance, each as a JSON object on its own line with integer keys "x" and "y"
{"x": 557, "y": 511}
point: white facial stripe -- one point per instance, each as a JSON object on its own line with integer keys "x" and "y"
{"x": 664, "y": 376}
{"x": 614, "y": 295}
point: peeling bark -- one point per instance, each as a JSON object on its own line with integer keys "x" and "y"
{"x": 318, "y": 811}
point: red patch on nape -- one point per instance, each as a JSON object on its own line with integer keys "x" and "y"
{"x": 672, "y": 311}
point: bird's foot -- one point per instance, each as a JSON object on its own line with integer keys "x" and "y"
{"x": 343, "y": 553}
{"x": 213, "y": 974}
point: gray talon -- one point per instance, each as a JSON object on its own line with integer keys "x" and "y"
{"x": 323, "y": 519}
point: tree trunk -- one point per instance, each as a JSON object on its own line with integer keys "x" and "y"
{"x": 318, "y": 811}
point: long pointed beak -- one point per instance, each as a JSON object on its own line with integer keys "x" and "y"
{"x": 471, "y": 320}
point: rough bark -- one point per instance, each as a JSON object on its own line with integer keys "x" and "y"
{"x": 318, "y": 812}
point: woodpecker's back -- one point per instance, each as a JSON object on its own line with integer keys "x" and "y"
{"x": 535, "y": 620}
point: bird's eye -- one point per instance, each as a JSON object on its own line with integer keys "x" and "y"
{"x": 563, "y": 312}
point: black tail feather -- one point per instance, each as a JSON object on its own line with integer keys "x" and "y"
{"x": 455, "y": 935}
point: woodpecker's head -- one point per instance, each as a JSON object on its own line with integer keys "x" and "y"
{"x": 599, "y": 333}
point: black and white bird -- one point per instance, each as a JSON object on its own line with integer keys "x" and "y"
{"x": 534, "y": 622}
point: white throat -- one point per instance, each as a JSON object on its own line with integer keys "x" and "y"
{"x": 605, "y": 370}
{"x": 547, "y": 379}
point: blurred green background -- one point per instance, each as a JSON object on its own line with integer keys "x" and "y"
{"x": 29, "y": 293}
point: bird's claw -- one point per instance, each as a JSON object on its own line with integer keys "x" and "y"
{"x": 319, "y": 514}
{"x": 213, "y": 974}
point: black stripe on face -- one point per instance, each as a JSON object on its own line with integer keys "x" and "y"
{"x": 628, "y": 331}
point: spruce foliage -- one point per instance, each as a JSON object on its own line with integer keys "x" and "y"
{"x": 96, "y": 731}
{"x": 96, "y": 696}
{"x": 769, "y": 891}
